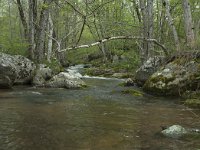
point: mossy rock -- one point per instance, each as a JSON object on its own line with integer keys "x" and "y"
{"x": 158, "y": 86}
{"x": 99, "y": 72}
{"x": 193, "y": 103}
{"x": 132, "y": 92}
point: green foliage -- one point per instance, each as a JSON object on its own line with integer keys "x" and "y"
{"x": 11, "y": 40}
{"x": 54, "y": 65}
{"x": 80, "y": 56}
{"x": 44, "y": 6}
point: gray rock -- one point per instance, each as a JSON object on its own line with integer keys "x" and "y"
{"x": 147, "y": 69}
{"x": 173, "y": 79}
{"x": 42, "y": 74}
{"x": 65, "y": 80}
{"x": 115, "y": 59}
{"x": 129, "y": 82}
{"x": 15, "y": 70}
{"x": 25, "y": 69}
{"x": 174, "y": 131}
{"x": 8, "y": 72}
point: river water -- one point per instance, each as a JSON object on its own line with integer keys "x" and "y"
{"x": 99, "y": 117}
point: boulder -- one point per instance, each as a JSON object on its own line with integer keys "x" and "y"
{"x": 147, "y": 69}
{"x": 175, "y": 78}
{"x": 129, "y": 82}
{"x": 65, "y": 80}
{"x": 15, "y": 70}
{"x": 25, "y": 69}
{"x": 8, "y": 72}
{"x": 42, "y": 74}
{"x": 174, "y": 131}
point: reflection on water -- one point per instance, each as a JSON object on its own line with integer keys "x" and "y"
{"x": 95, "y": 118}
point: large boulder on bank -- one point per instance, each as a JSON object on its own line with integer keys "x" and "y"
{"x": 8, "y": 72}
{"x": 65, "y": 80}
{"x": 25, "y": 69}
{"x": 179, "y": 75}
{"x": 15, "y": 70}
{"x": 42, "y": 74}
{"x": 147, "y": 69}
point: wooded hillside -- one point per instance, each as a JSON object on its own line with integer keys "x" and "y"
{"x": 46, "y": 29}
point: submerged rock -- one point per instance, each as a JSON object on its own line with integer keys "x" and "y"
{"x": 193, "y": 103}
{"x": 174, "y": 131}
{"x": 120, "y": 75}
{"x": 65, "y": 80}
{"x": 147, "y": 69}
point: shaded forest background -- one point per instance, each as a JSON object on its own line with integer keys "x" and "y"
{"x": 61, "y": 30}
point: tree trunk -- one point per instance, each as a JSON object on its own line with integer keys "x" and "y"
{"x": 171, "y": 24}
{"x": 32, "y": 28}
{"x": 144, "y": 52}
{"x": 39, "y": 51}
{"x": 150, "y": 27}
{"x": 189, "y": 29}
{"x": 50, "y": 40}
{"x": 23, "y": 18}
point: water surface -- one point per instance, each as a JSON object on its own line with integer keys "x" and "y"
{"x": 99, "y": 117}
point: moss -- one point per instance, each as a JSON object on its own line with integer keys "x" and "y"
{"x": 194, "y": 103}
{"x": 161, "y": 78}
{"x": 123, "y": 84}
{"x": 55, "y": 66}
{"x": 151, "y": 87}
{"x": 132, "y": 92}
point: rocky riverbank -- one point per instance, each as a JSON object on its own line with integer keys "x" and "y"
{"x": 20, "y": 70}
{"x": 178, "y": 75}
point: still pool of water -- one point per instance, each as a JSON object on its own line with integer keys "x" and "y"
{"x": 99, "y": 117}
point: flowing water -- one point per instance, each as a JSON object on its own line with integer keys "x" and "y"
{"x": 99, "y": 117}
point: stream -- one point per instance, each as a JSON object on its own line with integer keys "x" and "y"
{"x": 99, "y": 117}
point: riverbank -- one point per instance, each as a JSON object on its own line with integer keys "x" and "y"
{"x": 177, "y": 75}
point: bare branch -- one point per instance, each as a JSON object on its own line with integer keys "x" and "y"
{"x": 116, "y": 38}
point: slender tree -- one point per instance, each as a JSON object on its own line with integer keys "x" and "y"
{"x": 166, "y": 3}
{"x": 188, "y": 23}
{"x": 23, "y": 18}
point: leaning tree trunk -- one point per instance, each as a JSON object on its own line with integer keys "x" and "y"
{"x": 39, "y": 50}
{"x": 189, "y": 29}
{"x": 171, "y": 24}
{"x": 23, "y": 18}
